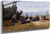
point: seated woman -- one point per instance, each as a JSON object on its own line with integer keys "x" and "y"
{"x": 33, "y": 19}
{"x": 23, "y": 20}
{"x": 30, "y": 18}
{"x": 14, "y": 20}
{"x": 37, "y": 18}
{"x": 43, "y": 18}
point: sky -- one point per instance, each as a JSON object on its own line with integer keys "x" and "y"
{"x": 31, "y": 6}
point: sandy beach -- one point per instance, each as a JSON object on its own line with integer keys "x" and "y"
{"x": 26, "y": 26}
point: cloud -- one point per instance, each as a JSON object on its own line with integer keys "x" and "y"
{"x": 29, "y": 6}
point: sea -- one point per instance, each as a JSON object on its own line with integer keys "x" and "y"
{"x": 34, "y": 13}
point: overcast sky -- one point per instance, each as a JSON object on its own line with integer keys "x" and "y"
{"x": 32, "y": 6}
